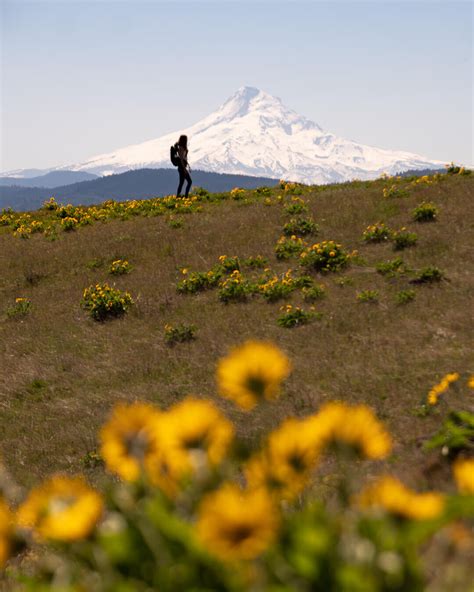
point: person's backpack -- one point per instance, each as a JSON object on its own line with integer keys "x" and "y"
{"x": 174, "y": 155}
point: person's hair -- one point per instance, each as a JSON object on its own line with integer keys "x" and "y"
{"x": 183, "y": 141}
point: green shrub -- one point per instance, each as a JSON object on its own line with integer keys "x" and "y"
{"x": 288, "y": 247}
{"x": 314, "y": 293}
{"x": 425, "y": 212}
{"x": 256, "y": 262}
{"x": 180, "y": 333}
{"x": 428, "y": 275}
{"x": 376, "y": 233}
{"x": 371, "y": 296}
{"x": 263, "y": 191}
{"x": 403, "y": 239}
{"x": 325, "y": 256}
{"x": 175, "y": 222}
{"x": 405, "y": 296}
{"x": 456, "y": 434}
{"x": 300, "y": 227}
{"x": 296, "y": 206}
{"x": 197, "y": 281}
{"x": 120, "y": 267}
{"x": 394, "y": 191}
{"x": 294, "y": 316}
{"x": 103, "y": 301}
{"x": 391, "y": 268}
{"x": 235, "y": 288}
{"x": 21, "y": 307}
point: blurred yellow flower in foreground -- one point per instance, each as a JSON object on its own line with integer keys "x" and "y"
{"x": 6, "y": 531}
{"x": 353, "y": 426}
{"x": 464, "y": 475}
{"x": 195, "y": 434}
{"x": 129, "y": 438}
{"x": 235, "y": 524}
{"x": 286, "y": 463}
{"x": 62, "y": 509}
{"x": 252, "y": 372}
{"x": 394, "y": 497}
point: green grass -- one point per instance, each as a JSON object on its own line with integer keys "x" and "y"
{"x": 61, "y": 371}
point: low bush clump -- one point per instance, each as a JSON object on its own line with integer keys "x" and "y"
{"x": 325, "y": 256}
{"x": 257, "y": 262}
{"x": 288, "y": 247}
{"x": 21, "y": 307}
{"x": 405, "y": 296}
{"x": 394, "y": 191}
{"x": 235, "y": 288}
{"x": 197, "y": 281}
{"x": 296, "y": 206}
{"x": 391, "y": 268}
{"x": 300, "y": 227}
{"x": 294, "y": 316}
{"x": 377, "y": 233}
{"x": 312, "y": 293}
{"x": 371, "y": 296}
{"x": 103, "y": 301}
{"x": 120, "y": 267}
{"x": 273, "y": 288}
{"x": 179, "y": 333}
{"x": 402, "y": 239}
{"x": 428, "y": 275}
{"x": 425, "y": 212}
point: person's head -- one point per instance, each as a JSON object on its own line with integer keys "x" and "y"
{"x": 183, "y": 141}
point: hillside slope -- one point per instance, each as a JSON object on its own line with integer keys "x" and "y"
{"x": 61, "y": 371}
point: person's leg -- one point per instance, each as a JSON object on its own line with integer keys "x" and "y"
{"x": 189, "y": 183}
{"x": 181, "y": 180}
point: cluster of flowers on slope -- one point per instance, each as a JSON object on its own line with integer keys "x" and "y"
{"x": 194, "y": 509}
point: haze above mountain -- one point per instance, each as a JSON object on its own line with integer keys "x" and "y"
{"x": 254, "y": 133}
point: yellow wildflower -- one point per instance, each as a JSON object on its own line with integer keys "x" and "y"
{"x": 6, "y": 531}
{"x": 464, "y": 475}
{"x": 195, "y": 434}
{"x": 252, "y": 372}
{"x": 235, "y": 524}
{"x": 394, "y": 497}
{"x": 129, "y": 437}
{"x": 62, "y": 509}
{"x": 354, "y": 426}
{"x": 286, "y": 462}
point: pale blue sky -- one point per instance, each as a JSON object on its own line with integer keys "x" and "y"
{"x": 81, "y": 78}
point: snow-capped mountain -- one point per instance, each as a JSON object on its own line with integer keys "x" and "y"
{"x": 253, "y": 133}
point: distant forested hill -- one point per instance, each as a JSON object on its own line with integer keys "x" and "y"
{"x": 139, "y": 184}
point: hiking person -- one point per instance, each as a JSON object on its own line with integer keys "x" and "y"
{"x": 179, "y": 157}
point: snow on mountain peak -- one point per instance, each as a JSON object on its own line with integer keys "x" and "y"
{"x": 254, "y": 133}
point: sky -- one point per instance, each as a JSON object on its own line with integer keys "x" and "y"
{"x": 83, "y": 78}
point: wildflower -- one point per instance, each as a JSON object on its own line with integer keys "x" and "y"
{"x": 355, "y": 427}
{"x": 195, "y": 434}
{"x": 394, "y": 497}
{"x": 129, "y": 438}
{"x": 235, "y": 524}
{"x": 441, "y": 387}
{"x": 470, "y": 382}
{"x": 287, "y": 461}
{"x": 6, "y": 531}
{"x": 62, "y": 509}
{"x": 464, "y": 475}
{"x": 252, "y": 372}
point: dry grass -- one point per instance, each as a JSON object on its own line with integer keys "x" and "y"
{"x": 61, "y": 372}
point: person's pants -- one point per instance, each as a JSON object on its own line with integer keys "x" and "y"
{"x": 183, "y": 175}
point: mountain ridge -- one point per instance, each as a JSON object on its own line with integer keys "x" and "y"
{"x": 254, "y": 133}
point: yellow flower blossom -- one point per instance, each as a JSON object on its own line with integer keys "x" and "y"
{"x": 394, "y": 497}
{"x": 129, "y": 437}
{"x": 286, "y": 463}
{"x": 354, "y": 426}
{"x": 235, "y": 524}
{"x": 6, "y": 532}
{"x": 62, "y": 509}
{"x": 464, "y": 475}
{"x": 252, "y": 372}
{"x": 195, "y": 434}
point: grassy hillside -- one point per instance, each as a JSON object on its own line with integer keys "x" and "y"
{"x": 61, "y": 371}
